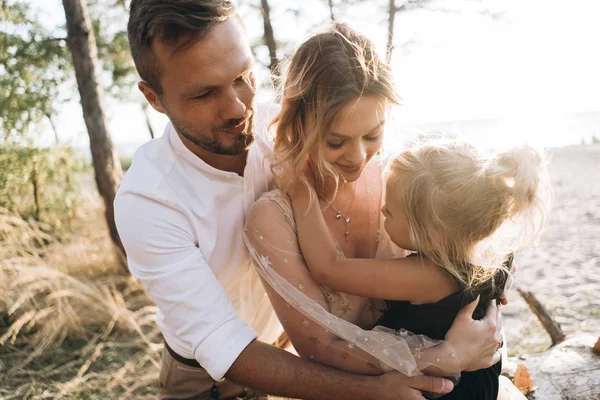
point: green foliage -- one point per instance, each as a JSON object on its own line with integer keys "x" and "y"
{"x": 40, "y": 184}
{"x": 108, "y": 22}
{"x": 34, "y": 63}
{"x": 32, "y": 66}
{"x": 126, "y": 162}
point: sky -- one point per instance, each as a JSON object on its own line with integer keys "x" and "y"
{"x": 528, "y": 67}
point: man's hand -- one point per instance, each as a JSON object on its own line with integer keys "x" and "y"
{"x": 477, "y": 342}
{"x": 397, "y": 386}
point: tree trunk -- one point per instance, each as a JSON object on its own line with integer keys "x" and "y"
{"x": 36, "y": 190}
{"x": 269, "y": 35}
{"x": 390, "y": 42}
{"x": 331, "y": 14}
{"x": 107, "y": 167}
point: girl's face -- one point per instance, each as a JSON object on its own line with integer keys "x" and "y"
{"x": 396, "y": 223}
{"x": 355, "y": 136}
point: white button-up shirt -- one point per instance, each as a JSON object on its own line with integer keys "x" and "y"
{"x": 181, "y": 222}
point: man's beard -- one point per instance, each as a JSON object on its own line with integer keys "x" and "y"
{"x": 211, "y": 143}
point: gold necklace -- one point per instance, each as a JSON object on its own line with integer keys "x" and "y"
{"x": 339, "y": 214}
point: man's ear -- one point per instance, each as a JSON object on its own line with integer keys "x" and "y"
{"x": 151, "y": 96}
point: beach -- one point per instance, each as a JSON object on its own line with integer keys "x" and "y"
{"x": 562, "y": 271}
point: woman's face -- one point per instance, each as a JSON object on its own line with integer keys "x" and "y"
{"x": 355, "y": 136}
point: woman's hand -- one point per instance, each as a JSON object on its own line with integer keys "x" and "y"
{"x": 503, "y": 299}
{"x": 476, "y": 342}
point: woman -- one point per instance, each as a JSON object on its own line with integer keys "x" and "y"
{"x": 336, "y": 96}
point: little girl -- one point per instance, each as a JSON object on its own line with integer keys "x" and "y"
{"x": 463, "y": 214}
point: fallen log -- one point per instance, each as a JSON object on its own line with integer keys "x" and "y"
{"x": 568, "y": 371}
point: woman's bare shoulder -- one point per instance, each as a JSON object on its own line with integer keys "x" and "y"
{"x": 273, "y": 205}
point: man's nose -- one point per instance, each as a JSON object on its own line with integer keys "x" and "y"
{"x": 232, "y": 106}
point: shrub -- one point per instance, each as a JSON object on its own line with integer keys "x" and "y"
{"x": 40, "y": 184}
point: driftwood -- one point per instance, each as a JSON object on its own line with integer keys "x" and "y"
{"x": 567, "y": 371}
{"x": 550, "y": 325}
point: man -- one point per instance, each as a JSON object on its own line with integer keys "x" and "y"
{"x": 180, "y": 213}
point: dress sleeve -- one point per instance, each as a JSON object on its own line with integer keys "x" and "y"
{"x": 163, "y": 254}
{"x": 316, "y": 330}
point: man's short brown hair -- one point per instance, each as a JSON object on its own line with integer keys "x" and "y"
{"x": 169, "y": 21}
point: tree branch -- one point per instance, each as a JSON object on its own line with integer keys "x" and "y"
{"x": 550, "y": 325}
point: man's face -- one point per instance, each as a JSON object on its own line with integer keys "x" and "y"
{"x": 208, "y": 89}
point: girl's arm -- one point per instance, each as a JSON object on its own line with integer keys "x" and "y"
{"x": 414, "y": 279}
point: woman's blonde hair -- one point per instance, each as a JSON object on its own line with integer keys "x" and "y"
{"x": 327, "y": 72}
{"x": 468, "y": 211}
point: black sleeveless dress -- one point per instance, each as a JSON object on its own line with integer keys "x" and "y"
{"x": 434, "y": 320}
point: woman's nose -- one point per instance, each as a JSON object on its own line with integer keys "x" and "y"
{"x": 357, "y": 154}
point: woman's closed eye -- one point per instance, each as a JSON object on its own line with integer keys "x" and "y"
{"x": 373, "y": 138}
{"x": 335, "y": 145}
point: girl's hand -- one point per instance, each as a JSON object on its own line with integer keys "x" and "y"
{"x": 477, "y": 343}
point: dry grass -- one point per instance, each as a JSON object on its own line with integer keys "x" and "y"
{"x": 70, "y": 327}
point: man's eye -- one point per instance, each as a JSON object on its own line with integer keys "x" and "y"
{"x": 203, "y": 96}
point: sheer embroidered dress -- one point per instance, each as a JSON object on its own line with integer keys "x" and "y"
{"x": 333, "y": 328}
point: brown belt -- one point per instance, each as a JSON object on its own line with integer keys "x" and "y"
{"x": 190, "y": 362}
{"x": 214, "y": 391}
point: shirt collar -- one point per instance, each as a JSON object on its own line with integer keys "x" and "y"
{"x": 197, "y": 162}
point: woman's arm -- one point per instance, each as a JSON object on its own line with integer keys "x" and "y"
{"x": 470, "y": 344}
{"x": 413, "y": 279}
{"x": 271, "y": 235}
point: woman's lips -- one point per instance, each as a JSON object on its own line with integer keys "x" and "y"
{"x": 350, "y": 168}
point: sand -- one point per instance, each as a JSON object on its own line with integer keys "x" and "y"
{"x": 563, "y": 270}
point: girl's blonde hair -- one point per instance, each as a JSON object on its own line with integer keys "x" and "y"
{"x": 327, "y": 72}
{"x": 468, "y": 211}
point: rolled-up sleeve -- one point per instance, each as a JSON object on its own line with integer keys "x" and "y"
{"x": 162, "y": 252}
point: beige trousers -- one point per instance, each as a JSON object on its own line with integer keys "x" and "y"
{"x": 179, "y": 381}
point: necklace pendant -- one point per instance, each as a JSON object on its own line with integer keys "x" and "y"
{"x": 347, "y": 219}
{"x": 338, "y": 215}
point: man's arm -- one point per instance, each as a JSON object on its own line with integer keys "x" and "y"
{"x": 199, "y": 320}
{"x": 261, "y": 366}
{"x": 163, "y": 255}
